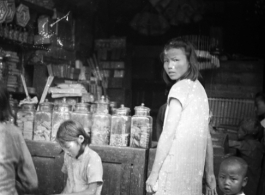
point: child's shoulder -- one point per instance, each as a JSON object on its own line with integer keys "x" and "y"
{"x": 92, "y": 155}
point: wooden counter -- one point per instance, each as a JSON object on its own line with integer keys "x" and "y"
{"x": 124, "y": 168}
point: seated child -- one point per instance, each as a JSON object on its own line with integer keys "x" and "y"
{"x": 232, "y": 176}
{"x": 82, "y": 165}
{"x": 251, "y": 150}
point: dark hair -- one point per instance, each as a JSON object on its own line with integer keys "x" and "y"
{"x": 180, "y": 43}
{"x": 260, "y": 96}
{"x": 233, "y": 160}
{"x": 70, "y": 131}
{"x": 5, "y": 108}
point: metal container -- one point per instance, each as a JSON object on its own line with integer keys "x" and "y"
{"x": 25, "y": 120}
{"x": 61, "y": 112}
{"x": 120, "y": 127}
{"x": 141, "y": 128}
{"x": 81, "y": 114}
{"x": 43, "y": 122}
{"x": 100, "y": 132}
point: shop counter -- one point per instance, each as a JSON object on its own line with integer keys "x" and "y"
{"x": 124, "y": 168}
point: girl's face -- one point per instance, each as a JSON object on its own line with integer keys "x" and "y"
{"x": 72, "y": 148}
{"x": 175, "y": 63}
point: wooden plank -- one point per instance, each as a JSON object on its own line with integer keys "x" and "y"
{"x": 44, "y": 149}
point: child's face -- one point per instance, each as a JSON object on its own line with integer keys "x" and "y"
{"x": 72, "y": 148}
{"x": 175, "y": 63}
{"x": 259, "y": 106}
{"x": 230, "y": 179}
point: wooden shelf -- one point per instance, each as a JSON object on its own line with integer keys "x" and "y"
{"x": 25, "y": 46}
{"x": 37, "y": 8}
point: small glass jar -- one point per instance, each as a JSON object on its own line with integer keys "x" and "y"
{"x": 43, "y": 122}
{"x": 100, "y": 131}
{"x": 25, "y": 120}
{"x": 82, "y": 115}
{"x": 61, "y": 112}
{"x": 141, "y": 128}
{"x": 120, "y": 127}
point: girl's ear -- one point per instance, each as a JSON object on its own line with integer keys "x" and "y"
{"x": 80, "y": 139}
{"x": 245, "y": 181}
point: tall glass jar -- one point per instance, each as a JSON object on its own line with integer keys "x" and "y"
{"x": 43, "y": 122}
{"x": 141, "y": 128}
{"x": 100, "y": 131}
{"x": 120, "y": 127}
{"x": 25, "y": 120}
{"x": 61, "y": 112}
{"x": 82, "y": 115}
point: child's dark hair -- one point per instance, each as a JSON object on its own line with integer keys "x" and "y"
{"x": 70, "y": 131}
{"x": 5, "y": 108}
{"x": 180, "y": 43}
{"x": 233, "y": 160}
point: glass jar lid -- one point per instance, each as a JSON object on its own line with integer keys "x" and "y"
{"x": 82, "y": 107}
{"x": 141, "y": 108}
{"x": 102, "y": 100}
{"x": 123, "y": 110}
{"x": 46, "y": 106}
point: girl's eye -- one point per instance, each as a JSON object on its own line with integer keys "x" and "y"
{"x": 174, "y": 60}
{"x": 165, "y": 60}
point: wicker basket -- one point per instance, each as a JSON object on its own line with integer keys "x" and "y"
{"x": 3, "y": 72}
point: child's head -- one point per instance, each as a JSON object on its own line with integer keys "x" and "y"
{"x": 181, "y": 55}
{"x": 72, "y": 138}
{"x": 248, "y": 127}
{"x": 232, "y": 175}
{"x": 260, "y": 103}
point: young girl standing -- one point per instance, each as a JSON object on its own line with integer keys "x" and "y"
{"x": 82, "y": 165}
{"x": 180, "y": 157}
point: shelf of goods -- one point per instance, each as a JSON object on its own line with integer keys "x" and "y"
{"x": 124, "y": 168}
{"x": 113, "y": 61}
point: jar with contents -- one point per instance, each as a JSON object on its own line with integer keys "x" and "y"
{"x": 43, "y": 122}
{"x": 11, "y": 32}
{"x": 61, "y": 112}
{"x": 100, "y": 131}
{"x": 120, "y": 127}
{"x": 25, "y": 120}
{"x": 6, "y": 32}
{"x": 25, "y": 36}
{"x": 141, "y": 128}
{"x": 15, "y": 35}
{"x": 82, "y": 115}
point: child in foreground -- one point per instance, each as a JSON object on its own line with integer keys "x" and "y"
{"x": 232, "y": 176}
{"x": 251, "y": 150}
{"x": 82, "y": 165}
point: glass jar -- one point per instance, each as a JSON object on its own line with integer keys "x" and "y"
{"x": 82, "y": 115}
{"x": 25, "y": 120}
{"x": 43, "y": 122}
{"x": 120, "y": 127}
{"x": 141, "y": 128}
{"x": 61, "y": 112}
{"x": 100, "y": 131}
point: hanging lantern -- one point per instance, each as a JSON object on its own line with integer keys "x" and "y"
{"x": 11, "y": 11}
{"x": 22, "y": 15}
{"x": 3, "y": 11}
